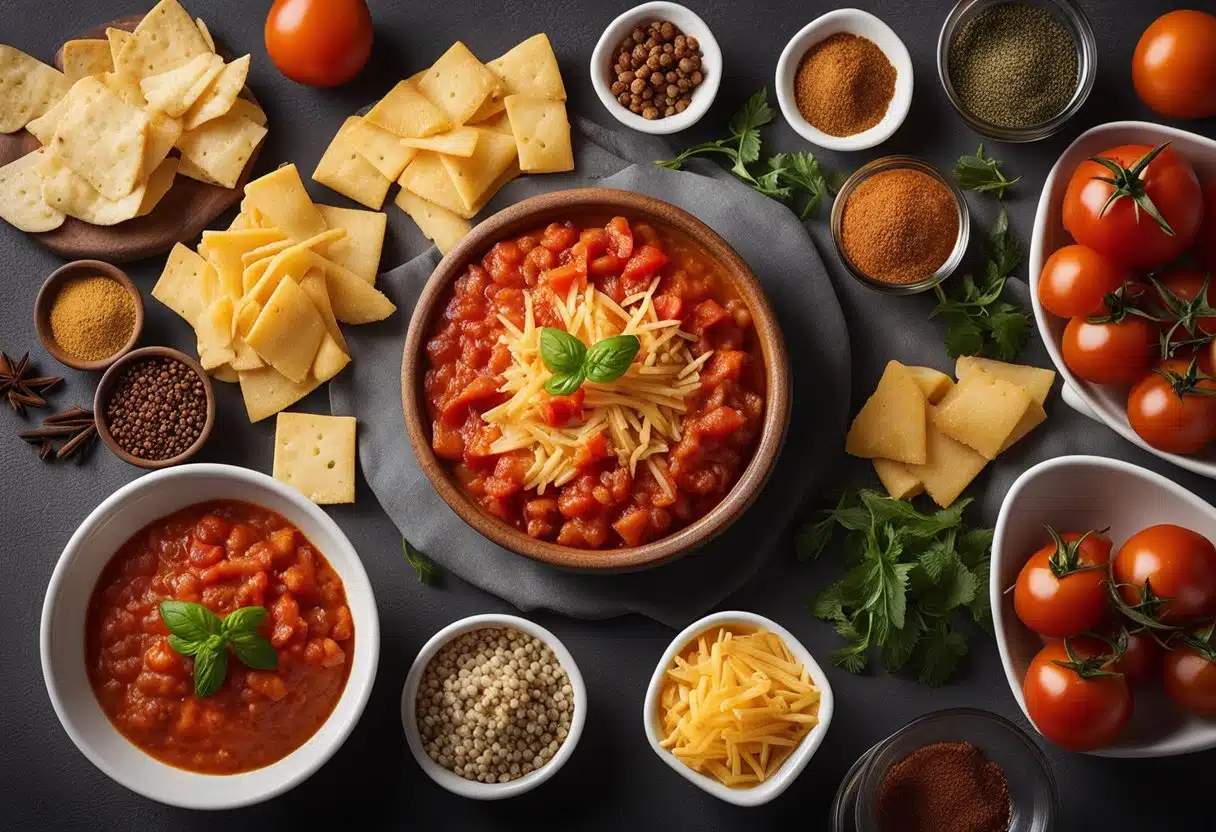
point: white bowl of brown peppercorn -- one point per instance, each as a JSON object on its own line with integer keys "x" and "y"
{"x": 657, "y": 68}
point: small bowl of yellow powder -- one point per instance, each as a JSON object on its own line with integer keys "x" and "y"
{"x": 88, "y": 314}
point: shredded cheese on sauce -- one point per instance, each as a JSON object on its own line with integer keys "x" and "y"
{"x": 640, "y": 414}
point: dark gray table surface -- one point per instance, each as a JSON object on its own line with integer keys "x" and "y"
{"x": 613, "y": 781}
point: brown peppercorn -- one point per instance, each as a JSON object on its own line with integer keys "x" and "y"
{"x": 657, "y": 67}
{"x": 158, "y": 408}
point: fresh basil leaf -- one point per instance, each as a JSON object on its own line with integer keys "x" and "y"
{"x": 190, "y": 621}
{"x": 607, "y": 360}
{"x": 428, "y": 572}
{"x": 210, "y": 666}
{"x": 254, "y": 650}
{"x": 561, "y": 351}
{"x": 184, "y": 646}
{"x": 564, "y": 384}
{"x": 243, "y": 620}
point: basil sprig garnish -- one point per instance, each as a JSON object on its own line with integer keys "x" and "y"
{"x": 572, "y": 363}
{"x": 197, "y": 631}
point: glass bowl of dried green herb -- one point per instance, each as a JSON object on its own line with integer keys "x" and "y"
{"x": 1017, "y": 71}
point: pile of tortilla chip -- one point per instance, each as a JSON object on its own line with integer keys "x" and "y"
{"x": 110, "y": 121}
{"x": 452, "y": 135}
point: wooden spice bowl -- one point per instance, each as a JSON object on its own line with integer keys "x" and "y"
{"x": 105, "y": 388}
{"x": 534, "y": 213}
{"x": 50, "y": 290}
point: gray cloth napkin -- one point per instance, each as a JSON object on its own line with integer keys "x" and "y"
{"x": 777, "y": 247}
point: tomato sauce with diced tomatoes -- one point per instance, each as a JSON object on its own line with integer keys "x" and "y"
{"x": 604, "y": 507}
{"x": 223, "y": 555}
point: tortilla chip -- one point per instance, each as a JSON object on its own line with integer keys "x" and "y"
{"x": 28, "y": 88}
{"x": 165, "y": 39}
{"x": 82, "y": 58}
{"x": 102, "y": 138}
{"x": 222, "y": 147}
{"x": 21, "y": 201}
{"x": 221, "y": 95}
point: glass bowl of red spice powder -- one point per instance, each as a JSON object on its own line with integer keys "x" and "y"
{"x": 957, "y": 770}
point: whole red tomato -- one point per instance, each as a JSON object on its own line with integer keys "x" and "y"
{"x": 1141, "y": 655}
{"x": 1173, "y": 408}
{"x": 1185, "y": 285}
{"x": 1178, "y": 564}
{"x": 1205, "y": 242}
{"x": 1060, "y": 591}
{"x": 1189, "y": 675}
{"x": 1174, "y": 65}
{"x": 322, "y": 43}
{"x": 1072, "y": 699}
{"x": 1155, "y": 188}
{"x": 1075, "y": 281}
{"x": 1115, "y": 352}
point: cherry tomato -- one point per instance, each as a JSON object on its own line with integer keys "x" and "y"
{"x": 1071, "y": 710}
{"x": 1205, "y": 242}
{"x": 1140, "y": 658}
{"x": 1118, "y": 352}
{"x": 1075, "y": 281}
{"x": 1186, "y": 284}
{"x": 1178, "y": 564}
{"x": 1190, "y": 680}
{"x": 1174, "y": 65}
{"x": 1170, "y": 412}
{"x": 1060, "y": 591}
{"x": 322, "y": 43}
{"x": 1123, "y": 231}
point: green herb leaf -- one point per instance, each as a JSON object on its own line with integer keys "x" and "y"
{"x": 243, "y": 620}
{"x": 980, "y": 606}
{"x": 744, "y": 127}
{"x": 828, "y": 604}
{"x": 608, "y": 359}
{"x": 561, "y": 351}
{"x": 1004, "y": 250}
{"x": 982, "y": 174}
{"x": 939, "y": 557}
{"x": 190, "y": 621}
{"x": 184, "y": 646}
{"x": 210, "y": 666}
{"x": 852, "y": 659}
{"x": 564, "y": 384}
{"x": 938, "y": 655}
{"x": 901, "y": 644}
{"x": 428, "y": 572}
{"x": 254, "y": 650}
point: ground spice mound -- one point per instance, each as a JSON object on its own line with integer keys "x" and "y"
{"x": 844, "y": 84}
{"x": 944, "y": 787}
{"x": 92, "y": 317}
{"x": 899, "y": 226}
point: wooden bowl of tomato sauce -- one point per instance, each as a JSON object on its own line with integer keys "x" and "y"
{"x": 606, "y": 510}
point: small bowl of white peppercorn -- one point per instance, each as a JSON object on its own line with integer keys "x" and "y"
{"x": 493, "y": 706}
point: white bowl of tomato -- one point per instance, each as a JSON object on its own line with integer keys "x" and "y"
{"x": 1147, "y": 687}
{"x": 209, "y": 637}
{"x": 1109, "y": 284}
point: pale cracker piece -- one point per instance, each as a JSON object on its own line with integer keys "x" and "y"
{"x": 225, "y": 248}
{"x": 205, "y": 32}
{"x": 441, "y": 226}
{"x": 69, "y": 192}
{"x": 316, "y": 287}
{"x": 500, "y": 123}
{"x": 407, "y": 112}
{"x": 343, "y": 169}
{"x": 354, "y": 300}
{"x": 251, "y": 111}
{"x": 185, "y": 283}
{"x": 21, "y": 203}
{"x": 387, "y": 153}
{"x": 316, "y": 455}
{"x": 214, "y": 332}
{"x": 330, "y": 359}
{"x": 165, "y": 39}
{"x": 174, "y": 92}
{"x": 428, "y": 178}
{"x": 360, "y": 250}
{"x": 897, "y": 479}
{"x": 473, "y": 176}
{"x": 288, "y": 331}
{"x": 43, "y": 127}
{"x": 267, "y": 391}
{"x": 102, "y": 138}
{"x": 163, "y": 133}
{"x": 188, "y": 168}
{"x": 28, "y": 88}
{"x": 117, "y": 39}
{"x": 221, "y": 95}
{"x": 1036, "y": 380}
{"x": 458, "y": 83}
{"x": 949, "y": 467}
{"x": 542, "y": 134}
{"x": 459, "y": 141}
{"x": 892, "y": 422}
{"x": 125, "y": 87}
{"x": 158, "y": 185}
{"x": 222, "y": 147}
{"x": 530, "y": 68}
{"x": 224, "y": 373}
{"x": 85, "y": 57}
{"x": 281, "y": 198}
{"x": 981, "y": 411}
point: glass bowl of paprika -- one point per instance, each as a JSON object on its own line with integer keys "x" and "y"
{"x": 900, "y": 226}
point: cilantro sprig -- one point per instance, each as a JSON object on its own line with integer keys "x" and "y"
{"x": 791, "y": 178}
{"x": 198, "y": 632}
{"x": 982, "y": 174}
{"x": 908, "y": 574}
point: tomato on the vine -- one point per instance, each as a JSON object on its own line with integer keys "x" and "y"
{"x": 1189, "y": 673}
{"x": 1112, "y": 352}
{"x": 1174, "y": 65}
{"x": 1137, "y": 205}
{"x": 1173, "y": 408}
{"x": 1175, "y": 565}
{"x": 1194, "y": 317}
{"x": 1073, "y": 698}
{"x": 1060, "y": 591}
{"x": 322, "y": 43}
{"x": 1075, "y": 281}
{"x": 1140, "y": 657}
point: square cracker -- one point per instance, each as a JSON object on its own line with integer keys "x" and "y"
{"x": 316, "y": 455}
{"x": 102, "y": 138}
{"x": 360, "y": 250}
{"x": 288, "y": 331}
{"x": 346, "y": 171}
{"x": 530, "y": 68}
{"x": 221, "y": 95}
{"x": 1036, "y": 380}
{"x": 459, "y": 141}
{"x": 408, "y": 113}
{"x": 427, "y": 177}
{"x": 281, "y": 198}
{"x": 222, "y": 147}
{"x": 354, "y": 300}
{"x": 892, "y": 422}
{"x": 85, "y": 57}
{"x": 472, "y": 177}
{"x": 21, "y": 201}
{"x": 380, "y": 147}
{"x": 982, "y": 411}
{"x": 186, "y": 284}
{"x": 458, "y": 83}
{"x": 542, "y": 134}
{"x": 117, "y": 39}
{"x": 949, "y": 467}
{"x": 174, "y": 92}
{"x": 267, "y": 391}
{"x": 441, "y": 226}
{"x": 69, "y": 192}
{"x": 28, "y": 88}
{"x": 165, "y": 39}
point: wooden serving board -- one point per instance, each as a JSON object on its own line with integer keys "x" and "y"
{"x": 180, "y": 216}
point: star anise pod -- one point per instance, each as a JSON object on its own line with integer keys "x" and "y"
{"x": 75, "y": 427}
{"x": 22, "y": 389}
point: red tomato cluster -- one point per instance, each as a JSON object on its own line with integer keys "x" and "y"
{"x": 1108, "y": 622}
{"x": 1135, "y": 288}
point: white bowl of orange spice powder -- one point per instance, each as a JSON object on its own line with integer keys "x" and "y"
{"x": 844, "y": 82}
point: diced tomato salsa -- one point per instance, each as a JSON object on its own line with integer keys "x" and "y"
{"x": 223, "y": 555}
{"x": 604, "y": 507}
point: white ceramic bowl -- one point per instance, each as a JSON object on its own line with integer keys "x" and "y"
{"x": 1105, "y": 403}
{"x": 1076, "y": 493}
{"x": 865, "y": 25}
{"x": 471, "y": 788}
{"x": 97, "y": 539}
{"x": 794, "y": 764}
{"x": 690, "y": 24}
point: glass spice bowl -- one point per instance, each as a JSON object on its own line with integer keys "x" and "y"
{"x": 1077, "y": 24}
{"x": 1032, "y": 787}
{"x": 906, "y": 163}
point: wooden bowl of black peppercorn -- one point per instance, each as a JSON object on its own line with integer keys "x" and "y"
{"x": 155, "y": 407}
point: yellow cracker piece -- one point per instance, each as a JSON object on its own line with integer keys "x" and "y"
{"x": 28, "y": 88}
{"x": 245, "y": 316}
{"x": 428, "y": 178}
{"x": 492, "y": 106}
{"x": 441, "y": 226}
{"x": 949, "y": 469}
{"x": 102, "y": 138}
{"x": 251, "y": 111}
{"x": 281, "y": 198}
{"x": 531, "y": 69}
{"x": 982, "y": 411}
{"x": 267, "y": 391}
{"x": 500, "y": 123}
{"x": 354, "y": 300}
{"x": 934, "y": 383}
{"x": 891, "y": 424}
{"x": 225, "y": 248}
{"x": 188, "y": 168}
{"x": 407, "y": 112}
{"x": 254, "y": 273}
{"x": 186, "y": 283}
{"x": 222, "y": 147}
{"x": 265, "y": 252}
{"x": 205, "y": 32}
{"x": 316, "y": 456}
{"x": 288, "y": 331}
{"x": 360, "y": 250}
{"x": 542, "y": 134}
{"x": 897, "y": 479}
{"x": 69, "y": 192}
{"x": 158, "y": 185}
{"x": 224, "y": 373}
{"x": 174, "y": 92}
{"x": 1034, "y": 416}
{"x": 163, "y": 133}
{"x": 472, "y": 177}
{"x": 330, "y": 359}
{"x": 344, "y": 169}
{"x": 165, "y": 39}
{"x": 125, "y": 87}
{"x": 458, "y": 83}
{"x": 295, "y": 261}
{"x": 387, "y": 153}
{"x": 503, "y": 178}
{"x": 117, "y": 39}
{"x": 1036, "y": 380}
{"x": 221, "y": 95}
{"x": 43, "y": 127}
{"x": 214, "y": 331}
{"x": 21, "y": 201}
{"x": 459, "y": 141}
{"x": 316, "y": 287}
{"x": 85, "y": 57}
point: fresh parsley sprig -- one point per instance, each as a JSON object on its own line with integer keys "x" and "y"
{"x": 787, "y": 177}
{"x": 198, "y": 632}
{"x": 982, "y": 174}
{"x": 428, "y": 573}
{"x": 908, "y": 574}
{"x": 572, "y": 363}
